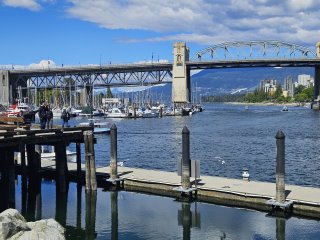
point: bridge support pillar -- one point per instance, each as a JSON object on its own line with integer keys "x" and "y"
{"x": 316, "y": 98}
{"x": 180, "y": 74}
{"x": 4, "y": 88}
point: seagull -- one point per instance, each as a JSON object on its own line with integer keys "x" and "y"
{"x": 120, "y": 164}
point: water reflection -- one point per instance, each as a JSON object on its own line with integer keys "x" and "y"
{"x": 188, "y": 219}
{"x": 128, "y": 215}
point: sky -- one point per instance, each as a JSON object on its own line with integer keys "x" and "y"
{"x": 85, "y": 32}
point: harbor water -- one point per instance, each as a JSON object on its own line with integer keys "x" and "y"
{"x": 225, "y": 138}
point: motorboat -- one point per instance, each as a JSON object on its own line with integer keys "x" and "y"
{"x": 117, "y": 113}
{"x": 98, "y": 126}
{"x": 284, "y": 109}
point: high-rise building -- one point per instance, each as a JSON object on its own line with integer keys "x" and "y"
{"x": 268, "y": 85}
{"x": 288, "y": 86}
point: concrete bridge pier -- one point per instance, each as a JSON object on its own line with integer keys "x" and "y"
{"x": 316, "y": 97}
{"x": 180, "y": 74}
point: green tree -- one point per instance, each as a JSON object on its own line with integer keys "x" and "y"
{"x": 109, "y": 93}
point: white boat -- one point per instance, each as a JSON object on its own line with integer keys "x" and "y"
{"x": 284, "y": 109}
{"x": 116, "y": 113}
{"x": 50, "y": 155}
{"x": 57, "y": 112}
{"x": 98, "y": 126}
{"x": 150, "y": 113}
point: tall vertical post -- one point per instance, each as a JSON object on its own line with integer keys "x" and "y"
{"x": 114, "y": 152}
{"x": 61, "y": 166}
{"x": 186, "y": 163}
{"x": 91, "y": 181}
{"x": 78, "y": 150}
{"x": 280, "y": 168}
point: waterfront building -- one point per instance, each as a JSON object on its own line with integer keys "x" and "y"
{"x": 268, "y": 85}
{"x": 304, "y": 80}
{"x": 288, "y": 87}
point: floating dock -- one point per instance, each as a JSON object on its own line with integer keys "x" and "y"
{"x": 218, "y": 190}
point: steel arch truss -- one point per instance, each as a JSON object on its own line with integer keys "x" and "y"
{"x": 250, "y": 50}
{"x": 98, "y": 78}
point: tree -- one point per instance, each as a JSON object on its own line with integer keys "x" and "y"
{"x": 109, "y": 93}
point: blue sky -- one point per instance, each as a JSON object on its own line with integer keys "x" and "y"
{"x": 73, "y": 32}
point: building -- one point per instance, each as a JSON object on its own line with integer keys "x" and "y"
{"x": 288, "y": 87}
{"x": 304, "y": 80}
{"x": 268, "y": 85}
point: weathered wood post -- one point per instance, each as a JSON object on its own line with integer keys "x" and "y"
{"x": 113, "y": 152}
{"x": 61, "y": 167}
{"x": 91, "y": 181}
{"x": 186, "y": 162}
{"x": 78, "y": 150}
{"x": 280, "y": 168}
{"x": 11, "y": 175}
{"x": 79, "y": 200}
{"x": 22, "y": 150}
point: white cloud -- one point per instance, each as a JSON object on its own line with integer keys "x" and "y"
{"x": 206, "y": 22}
{"x": 43, "y": 64}
{"x": 29, "y": 4}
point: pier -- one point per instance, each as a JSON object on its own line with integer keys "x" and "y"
{"x": 303, "y": 201}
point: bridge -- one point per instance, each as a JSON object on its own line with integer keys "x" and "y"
{"x": 226, "y": 55}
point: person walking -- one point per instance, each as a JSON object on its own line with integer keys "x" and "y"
{"x": 49, "y": 117}
{"x": 65, "y": 116}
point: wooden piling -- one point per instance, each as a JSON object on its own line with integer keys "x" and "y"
{"x": 114, "y": 153}
{"x": 61, "y": 167}
{"x": 280, "y": 167}
{"x": 186, "y": 163}
{"x": 78, "y": 150}
{"x": 11, "y": 177}
{"x": 91, "y": 181}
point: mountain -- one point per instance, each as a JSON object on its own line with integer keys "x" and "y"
{"x": 224, "y": 80}
{"x": 227, "y": 80}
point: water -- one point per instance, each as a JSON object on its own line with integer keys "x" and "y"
{"x": 130, "y": 215}
{"x": 225, "y": 138}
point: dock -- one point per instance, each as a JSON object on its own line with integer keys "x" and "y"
{"x": 211, "y": 189}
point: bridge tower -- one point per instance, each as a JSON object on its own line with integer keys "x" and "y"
{"x": 4, "y": 87}
{"x": 316, "y": 96}
{"x": 180, "y": 74}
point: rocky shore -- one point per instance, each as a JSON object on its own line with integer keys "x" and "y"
{"x": 13, "y": 226}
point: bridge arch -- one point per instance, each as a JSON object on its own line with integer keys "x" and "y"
{"x": 250, "y": 50}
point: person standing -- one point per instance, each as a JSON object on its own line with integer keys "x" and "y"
{"x": 43, "y": 115}
{"x": 49, "y": 117}
{"x": 65, "y": 116}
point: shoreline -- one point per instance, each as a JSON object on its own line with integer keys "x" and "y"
{"x": 295, "y": 104}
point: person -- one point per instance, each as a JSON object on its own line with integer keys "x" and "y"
{"x": 65, "y": 116}
{"x": 43, "y": 115}
{"x": 49, "y": 118}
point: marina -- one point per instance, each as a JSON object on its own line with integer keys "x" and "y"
{"x": 139, "y": 174}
